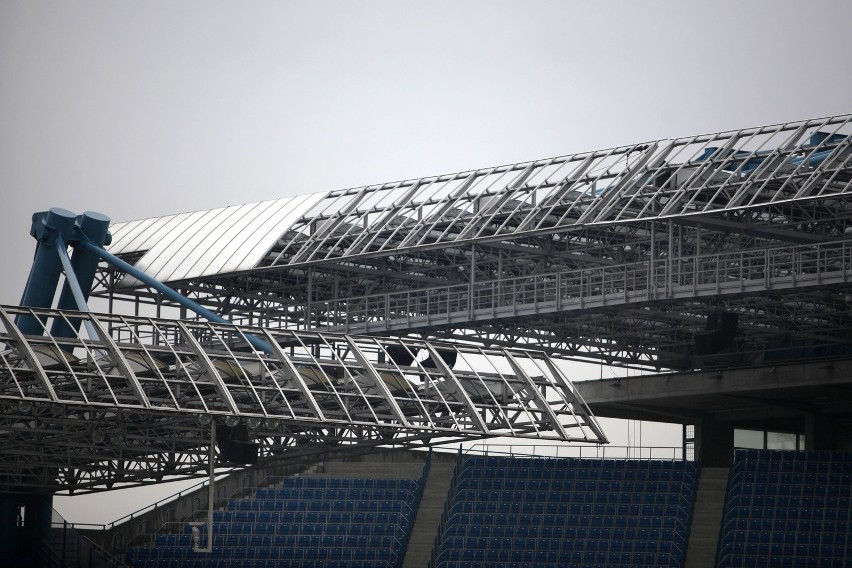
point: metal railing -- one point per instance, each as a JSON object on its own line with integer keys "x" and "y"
{"x": 659, "y": 279}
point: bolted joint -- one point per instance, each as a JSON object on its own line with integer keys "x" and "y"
{"x": 48, "y": 225}
{"x": 93, "y": 227}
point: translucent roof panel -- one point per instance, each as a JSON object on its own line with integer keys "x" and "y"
{"x": 204, "y": 243}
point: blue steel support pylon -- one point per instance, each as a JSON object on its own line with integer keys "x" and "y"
{"x": 44, "y": 274}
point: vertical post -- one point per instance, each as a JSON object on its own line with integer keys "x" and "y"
{"x": 310, "y": 298}
{"x": 9, "y": 530}
{"x": 697, "y": 258}
{"x": 211, "y": 485}
{"x": 652, "y": 279}
{"x": 472, "y": 282}
{"x": 210, "y": 497}
{"x": 669, "y": 255}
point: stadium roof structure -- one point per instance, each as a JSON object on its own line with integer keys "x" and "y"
{"x": 695, "y": 252}
{"x": 428, "y": 310}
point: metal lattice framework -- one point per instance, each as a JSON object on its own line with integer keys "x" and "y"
{"x": 628, "y": 255}
{"x": 697, "y": 252}
{"x": 136, "y": 401}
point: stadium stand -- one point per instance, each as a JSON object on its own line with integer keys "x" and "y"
{"x": 546, "y": 512}
{"x": 787, "y": 508}
{"x": 310, "y": 522}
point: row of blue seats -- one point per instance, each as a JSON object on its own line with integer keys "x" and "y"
{"x": 261, "y": 563}
{"x": 591, "y": 498}
{"x": 307, "y": 517}
{"x": 559, "y": 532}
{"x": 791, "y": 538}
{"x": 803, "y": 465}
{"x": 790, "y": 488}
{"x": 787, "y": 456}
{"x": 827, "y": 477}
{"x": 830, "y": 526}
{"x": 341, "y": 482}
{"x": 597, "y": 521}
{"x": 552, "y": 520}
{"x": 764, "y": 561}
{"x": 800, "y": 513}
{"x": 357, "y": 493}
{"x": 527, "y": 558}
{"x": 553, "y": 544}
{"x": 792, "y": 524}
{"x": 520, "y": 463}
{"x": 280, "y": 540}
{"x": 588, "y": 497}
{"x": 599, "y": 518}
{"x": 566, "y": 508}
{"x": 629, "y": 563}
{"x": 570, "y": 485}
{"x": 265, "y": 553}
{"x": 807, "y": 501}
{"x": 811, "y": 552}
{"x": 373, "y": 528}
{"x": 385, "y": 506}
{"x": 507, "y": 473}
{"x": 550, "y": 475}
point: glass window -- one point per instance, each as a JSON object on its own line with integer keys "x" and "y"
{"x": 780, "y": 441}
{"x": 748, "y": 439}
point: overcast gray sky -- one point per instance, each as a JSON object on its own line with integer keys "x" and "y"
{"x": 139, "y": 109}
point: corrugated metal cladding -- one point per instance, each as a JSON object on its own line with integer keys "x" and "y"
{"x": 203, "y": 243}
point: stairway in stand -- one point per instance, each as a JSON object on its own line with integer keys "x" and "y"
{"x": 429, "y": 515}
{"x": 707, "y": 517}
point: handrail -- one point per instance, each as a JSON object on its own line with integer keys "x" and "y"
{"x": 418, "y": 496}
{"x": 112, "y": 559}
{"x": 725, "y": 520}
{"x": 780, "y": 262}
{"x": 48, "y": 557}
{"x": 442, "y": 524}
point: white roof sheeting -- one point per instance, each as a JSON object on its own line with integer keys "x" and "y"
{"x": 203, "y": 243}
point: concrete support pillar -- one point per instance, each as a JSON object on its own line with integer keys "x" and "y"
{"x": 19, "y": 544}
{"x": 820, "y": 434}
{"x": 37, "y": 521}
{"x": 8, "y": 528}
{"x": 714, "y": 441}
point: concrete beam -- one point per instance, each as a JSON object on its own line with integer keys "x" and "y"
{"x": 659, "y": 387}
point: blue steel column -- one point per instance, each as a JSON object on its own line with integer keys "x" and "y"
{"x": 93, "y": 227}
{"x": 44, "y": 274}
